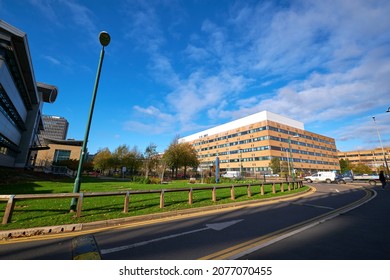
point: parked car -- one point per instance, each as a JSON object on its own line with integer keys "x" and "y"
{"x": 232, "y": 174}
{"x": 319, "y": 177}
{"x": 343, "y": 179}
{"x": 372, "y": 179}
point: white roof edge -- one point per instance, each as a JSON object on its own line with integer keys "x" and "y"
{"x": 251, "y": 119}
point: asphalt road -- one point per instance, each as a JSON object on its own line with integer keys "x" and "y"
{"x": 247, "y": 232}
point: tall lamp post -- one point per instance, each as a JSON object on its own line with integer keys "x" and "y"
{"x": 380, "y": 141}
{"x": 104, "y": 39}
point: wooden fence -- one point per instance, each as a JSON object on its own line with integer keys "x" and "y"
{"x": 12, "y": 198}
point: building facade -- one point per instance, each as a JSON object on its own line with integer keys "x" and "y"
{"x": 248, "y": 145}
{"x": 21, "y": 99}
{"x": 57, "y": 151}
{"x": 54, "y": 128}
{"x": 374, "y": 158}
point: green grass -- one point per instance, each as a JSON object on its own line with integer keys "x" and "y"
{"x": 49, "y": 212}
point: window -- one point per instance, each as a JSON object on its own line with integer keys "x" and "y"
{"x": 61, "y": 155}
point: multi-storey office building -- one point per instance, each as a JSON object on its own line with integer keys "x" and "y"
{"x": 248, "y": 145}
{"x": 21, "y": 99}
{"x": 373, "y": 158}
{"x": 54, "y": 128}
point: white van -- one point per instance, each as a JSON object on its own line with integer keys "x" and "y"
{"x": 231, "y": 174}
{"x": 325, "y": 176}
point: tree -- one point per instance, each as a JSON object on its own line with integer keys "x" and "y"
{"x": 361, "y": 168}
{"x": 180, "y": 155}
{"x": 188, "y": 156}
{"x": 101, "y": 160}
{"x": 151, "y": 158}
{"x": 275, "y": 165}
{"x": 133, "y": 161}
{"x": 172, "y": 156}
{"x": 345, "y": 165}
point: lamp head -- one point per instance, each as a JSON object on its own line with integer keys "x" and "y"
{"x": 104, "y": 38}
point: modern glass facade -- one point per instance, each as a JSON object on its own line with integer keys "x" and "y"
{"x": 21, "y": 99}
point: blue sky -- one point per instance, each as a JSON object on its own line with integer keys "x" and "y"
{"x": 177, "y": 67}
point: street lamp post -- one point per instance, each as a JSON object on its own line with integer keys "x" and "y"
{"x": 104, "y": 39}
{"x": 383, "y": 151}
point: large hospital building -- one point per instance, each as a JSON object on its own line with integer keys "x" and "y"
{"x": 248, "y": 145}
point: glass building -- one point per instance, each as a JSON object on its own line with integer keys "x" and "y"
{"x": 21, "y": 100}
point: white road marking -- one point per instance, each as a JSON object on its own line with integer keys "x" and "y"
{"x": 216, "y": 226}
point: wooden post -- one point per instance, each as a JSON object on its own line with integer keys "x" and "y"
{"x": 248, "y": 190}
{"x": 214, "y": 194}
{"x": 9, "y": 209}
{"x": 127, "y": 200}
{"x": 281, "y": 187}
{"x": 79, "y": 205}
{"x": 162, "y": 199}
{"x": 289, "y": 187}
{"x": 190, "y": 196}
{"x": 232, "y": 195}
{"x": 273, "y": 188}
{"x": 262, "y": 189}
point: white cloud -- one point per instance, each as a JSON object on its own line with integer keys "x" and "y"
{"x": 312, "y": 61}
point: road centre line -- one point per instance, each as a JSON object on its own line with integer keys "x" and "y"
{"x": 313, "y": 205}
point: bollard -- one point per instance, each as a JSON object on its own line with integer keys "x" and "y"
{"x": 162, "y": 199}
{"x": 190, "y": 196}
{"x": 273, "y": 188}
{"x": 126, "y": 204}
{"x": 214, "y": 194}
{"x": 79, "y": 205}
{"x": 9, "y": 209}
{"x": 262, "y": 189}
{"x": 248, "y": 190}
{"x": 232, "y": 195}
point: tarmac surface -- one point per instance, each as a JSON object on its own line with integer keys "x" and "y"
{"x": 360, "y": 234}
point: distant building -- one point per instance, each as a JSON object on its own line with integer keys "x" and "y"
{"x": 54, "y": 128}
{"x": 248, "y": 145}
{"x": 21, "y": 100}
{"x": 57, "y": 151}
{"x": 373, "y": 158}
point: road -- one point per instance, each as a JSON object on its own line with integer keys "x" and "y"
{"x": 302, "y": 226}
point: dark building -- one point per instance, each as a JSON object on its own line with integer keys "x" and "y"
{"x": 55, "y": 128}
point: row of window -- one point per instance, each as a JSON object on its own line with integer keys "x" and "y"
{"x": 267, "y": 158}
{"x": 265, "y": 148}
{"x": 267, "y": 127}
{"x": 262, "y": 138}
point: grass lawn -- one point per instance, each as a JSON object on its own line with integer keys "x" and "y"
{"x": 49, "y": 212}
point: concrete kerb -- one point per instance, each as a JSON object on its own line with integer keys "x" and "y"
{"x": 79, "y": 227}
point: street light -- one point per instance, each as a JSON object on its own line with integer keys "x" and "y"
{"x": 383, "y": 151}
{"x": 104, "y": 39}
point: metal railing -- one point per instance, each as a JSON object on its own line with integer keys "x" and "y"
{"x": 13, "y": 198}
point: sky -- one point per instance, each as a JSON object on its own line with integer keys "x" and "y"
{"x": 174, "y": 68}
